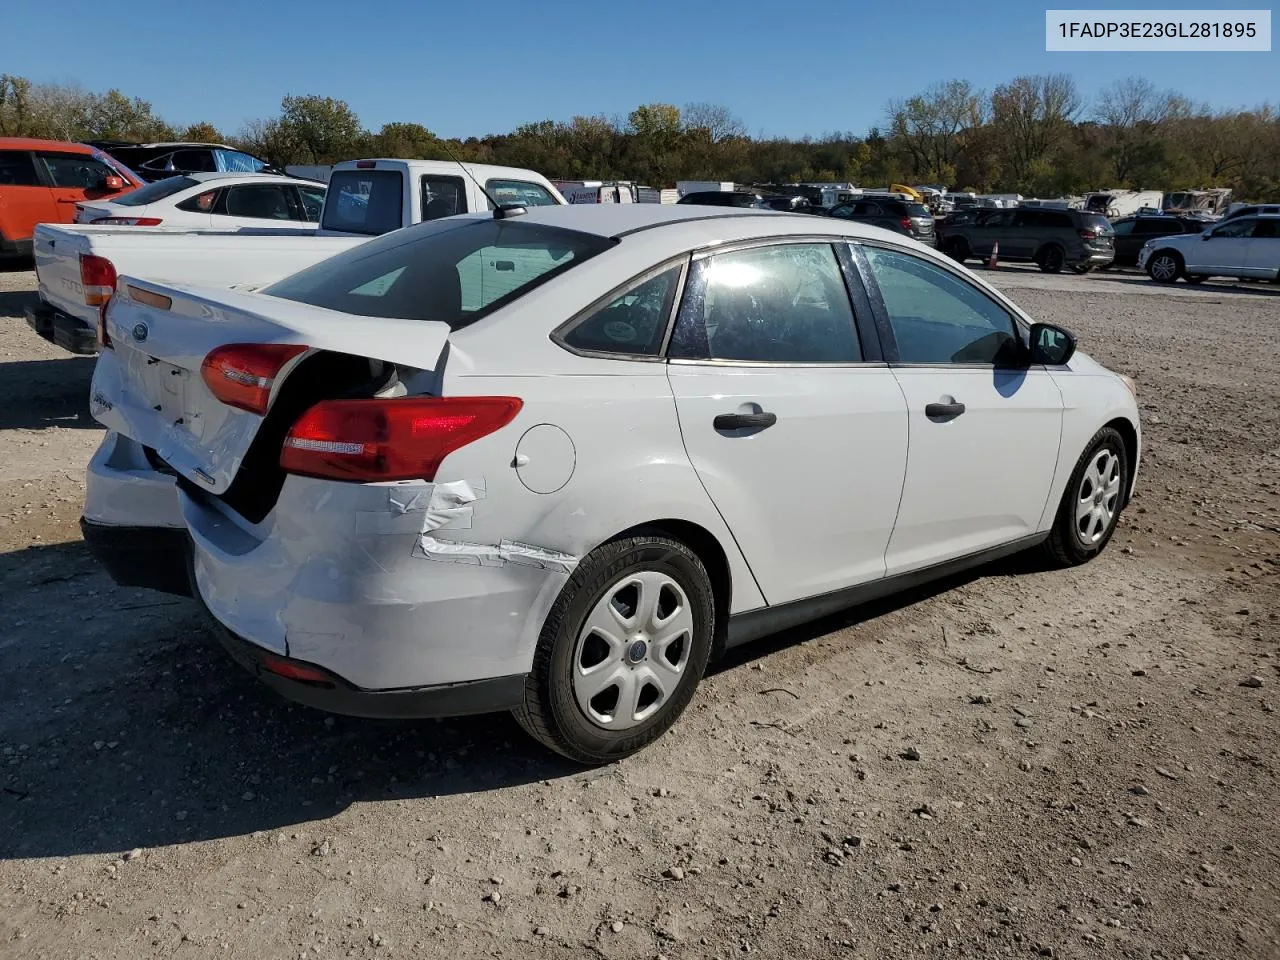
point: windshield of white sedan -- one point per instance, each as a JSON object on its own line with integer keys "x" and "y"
{"x": 155, "y": 191}
{"x": 455, "y": 273}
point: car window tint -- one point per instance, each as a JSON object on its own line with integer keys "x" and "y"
{"x": 780, "y": 304}
{"x": 200, "y": 203}
{"x": 194, "y": 161}
{"x": 75, "y": 170}
{"x": 1125, "y": 227}
{"x": 1028, "y": 218}
{"x": 17, "y": 169}
{"x": 442, "y": 197}
{"x": 364, "y": 201}
{"x": 312, "y": 202}
{"x": 1267, "y": 229}
{"x": 520, "y": 192}
{"x": 235, "y": 161}
{"x": 260, "y": 201}
{"x": 936, "y": 316}
{"x": 1236, "y": 228}
{"x": 632, "y": 323}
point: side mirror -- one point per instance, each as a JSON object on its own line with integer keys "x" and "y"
{"x": 1206, "y": 235}
{"x": 1051, "y": 346}
{"x": 113, "y": 183}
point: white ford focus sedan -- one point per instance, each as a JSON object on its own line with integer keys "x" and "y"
{"x": 556, "y": 461}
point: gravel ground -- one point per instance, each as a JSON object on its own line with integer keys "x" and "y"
{"x": 1017, "y": 763}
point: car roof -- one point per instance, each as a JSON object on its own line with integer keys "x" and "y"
{"x": 34, "y": 143}
{"x": 248, "y": 177}
{"x": 689, "y": 224}
{"x": 178, "y": 143}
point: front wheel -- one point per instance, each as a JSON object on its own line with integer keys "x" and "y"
{"x": 1052, "y": 260}
{"x": 622, "y": 650}
{"x": 1091, "y": 504}
{"x": 1164, "y": 267}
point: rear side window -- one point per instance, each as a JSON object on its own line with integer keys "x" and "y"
{"x": 774, "y": 304}
{"x": 234, "y": 161}
{"x": 364, "y": 201}
{"x": 1095, "y": 222}
{"x": 442, "y": 197}
{"x": 631, "y": 324}
{"x": 155, "y": 191}
{"x": 17, "y": 169}
{"x": 312, "y": 202}
{"x": 448, "y": 270}
{"x": 918, "y": 210}
{"x": 200, "y": 203}
{"x": 194, "y": 161}
{"x": 520, "y": 192}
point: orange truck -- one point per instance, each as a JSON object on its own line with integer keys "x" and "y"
{"x": 41, "y": 181}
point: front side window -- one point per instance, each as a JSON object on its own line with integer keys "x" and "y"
{"x": 76, "y": 170}
{"x": 1236, "y": 228}
{"x": 17, "y": 169}
{"x": 1125, "y": 227}
{"x": 260, "y": 201}
{"x": 370, "y": 202}
{"x": 520, "y": 192}
{"x": 776, "y": 304}
{"x": 194, "y": 161}
{"x": 234, "y": 161}
{"x": 936, "y": 316}
{"x": 312, "y": 202}
{"x": 453, "y": 271}
{"x": 1267, "y": 229}
{"x": 631, "y": 324}
{"x": 442, "y": 197}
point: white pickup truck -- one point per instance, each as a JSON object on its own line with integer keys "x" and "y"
{"x": 77, "y": 265}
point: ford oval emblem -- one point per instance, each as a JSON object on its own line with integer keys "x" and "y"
{"x": 140, "y": 332}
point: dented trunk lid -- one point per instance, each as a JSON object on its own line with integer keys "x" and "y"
{"x": 148, "y": 385}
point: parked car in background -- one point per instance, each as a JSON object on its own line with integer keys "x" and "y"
{"x": 1052, "y": 239}
{"x": 722, "y": 198}
{"x": 790, "y": 205}
{"x": 901, "y": 216}
{"x": 42, "y": 181}
{"x": 1252, "y": 210}
{"x": 77, "y": 266}
{"x": 399, "y": 489}
{"x": 1132, "y": 232}
{"x": 158, "y": 161}
{"x": 1247, "y": 248}
{"x": 212, "y": 201}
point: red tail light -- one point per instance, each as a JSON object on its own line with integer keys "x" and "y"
{"x": 97, "y": 279}
{"x": 128, "y": 221}
{"x": 1089, "y": 234}
{"x": 241, "y": 374}
{"x": 906, "y": 224}
{"x": 404, "y": 438}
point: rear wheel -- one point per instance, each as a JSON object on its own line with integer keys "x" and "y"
{"x": 1165, "y": 266}
{"x": 1051, "y": 259}
{"x": 1092, "y": 502}
{"x": 621, "y": 652}
{"x": 958, "y": 250}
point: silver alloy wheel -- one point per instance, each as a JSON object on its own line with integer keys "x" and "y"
{"x": 633, "y": 649}
{"x": 1098, "y": 497}
{"x": 1164, "y": 268}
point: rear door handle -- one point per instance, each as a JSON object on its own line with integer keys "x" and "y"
{"x": 943, "y": 411}
{"x": 741, "y": 421}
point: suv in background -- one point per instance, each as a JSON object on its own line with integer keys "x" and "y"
{"x": 158, "y": 161}
{"x": 1253, "y": 210}
{"x": 41, "y": 181}
{"x": 723, "y": 198}
{"x": 900, "y": 216}
{"x": 1247, "y": 248}
{"x": 1133, "y": 232}
{"x": 1051, "y": 239}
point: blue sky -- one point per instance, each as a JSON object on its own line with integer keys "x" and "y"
{"x": 810, "y": 68}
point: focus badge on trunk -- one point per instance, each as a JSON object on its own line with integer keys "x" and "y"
{"x": 140, "y": 332}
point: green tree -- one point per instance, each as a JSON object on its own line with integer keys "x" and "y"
{"x": 320, "y": 129}
{"x": 202, "y": 133}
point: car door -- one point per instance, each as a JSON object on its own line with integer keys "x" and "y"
{"x": 1026, "y": 231}
{"x": 1128, "y": 240}
{"x": 256, "y": 205}
{"x": 992, "y": 228}
{"x": 1264, "y": 249}
{"x": 983, "y": 432}
{"x": 1223, "y": 249}
{"x": 25, "y": 199}
{"x": 74, "y": 178}
{"x": 795, "y": 426}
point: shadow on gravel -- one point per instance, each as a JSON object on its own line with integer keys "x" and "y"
{"x": 12, "y": 303}
{"x": 123, "y": 724}
{"x": 35, "y": 394}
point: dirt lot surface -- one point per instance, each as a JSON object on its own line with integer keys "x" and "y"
{"x": 1098, "y": 769}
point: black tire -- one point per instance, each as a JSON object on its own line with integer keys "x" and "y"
{"x": 550, "y": 712}
{"x": 1051, "y": 259}
{"x": 1165, "y": 266}
{"x": 1195, "y": 278}
{"x": 1065, "y": 546}
{"x": 958, "y": 250}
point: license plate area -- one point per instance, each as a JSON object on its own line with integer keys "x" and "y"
{"x": 161, "y": 386}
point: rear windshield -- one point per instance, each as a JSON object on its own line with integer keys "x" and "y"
{"x": 447, "y": 270}
{"x": 918, "y": 210}
{"x": 364, "y": 201}
{"x": 155, "y": 191}
{"x": 1097, "y": 222}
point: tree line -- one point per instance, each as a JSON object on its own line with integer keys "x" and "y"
{"x": 1035, "y": 135}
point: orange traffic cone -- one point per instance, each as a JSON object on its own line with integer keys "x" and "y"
{"x": 995, "y": 256}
